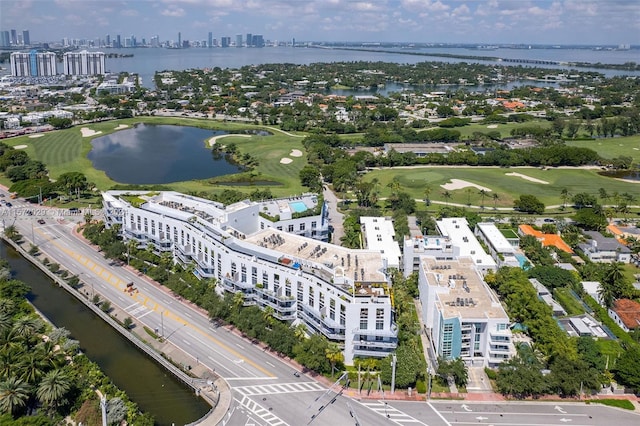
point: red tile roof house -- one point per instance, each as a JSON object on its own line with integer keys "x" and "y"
{"x": 626, "y": 313}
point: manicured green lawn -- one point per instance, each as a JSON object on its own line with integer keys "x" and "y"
{"x": 568, "y": 302}
{"x": 504, "y": 129}
{"x": 613, "y": 147}
{"x": 413, "y": 180}
{"x": 66, "y": 150}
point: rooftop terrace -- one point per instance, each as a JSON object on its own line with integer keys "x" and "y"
{"x": 465, "y": 293}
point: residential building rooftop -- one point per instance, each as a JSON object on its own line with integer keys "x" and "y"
{"x": 464, "y": 293}
{"x": 628, "y": 311}
{"x": 546, "y": 239}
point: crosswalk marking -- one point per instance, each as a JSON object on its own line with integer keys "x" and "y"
{"x": 261, "y": 412}
{"x": 391, "y": 413}
{"x": 279, "y": 388}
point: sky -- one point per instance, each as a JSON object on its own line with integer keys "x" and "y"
{"x": 425, "y": 21}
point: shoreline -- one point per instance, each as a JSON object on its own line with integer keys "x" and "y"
{"x": 212, "y": 141}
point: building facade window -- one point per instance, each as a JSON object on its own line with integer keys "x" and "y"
{"x": 379, "y": 319}
{"x": 364, "y": 318}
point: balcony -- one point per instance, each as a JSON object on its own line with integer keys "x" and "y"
{"x": 205, "y": 272}
{"x": 393, "y": 332}
{"x": 185, "y": 249}
{"x": 318, "y": 325}
{"x": 368, "y": 353}
{"x": 233, "y": 286}
{"x": 136, "y": 236}
{"x": 494, "y": 350}
{"x": 373, "y": 344}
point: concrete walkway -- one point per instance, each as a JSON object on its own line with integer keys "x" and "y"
{"x": 336, "y": 219}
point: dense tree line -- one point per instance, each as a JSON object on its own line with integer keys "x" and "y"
{"x": 575, "y": 364}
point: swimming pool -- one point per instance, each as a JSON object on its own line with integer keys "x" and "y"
{"x": 298, "y": 206}
{"x": 523, "y": 261}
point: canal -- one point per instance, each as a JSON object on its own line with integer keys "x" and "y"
{"x": 155, "y": 390}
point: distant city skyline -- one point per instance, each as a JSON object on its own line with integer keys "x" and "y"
{"x": 611, "y": 22}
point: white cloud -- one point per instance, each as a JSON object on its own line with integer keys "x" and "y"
{"x": 173, "y": 11}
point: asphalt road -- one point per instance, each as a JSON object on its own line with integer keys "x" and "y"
{"x": 265, "y": 390}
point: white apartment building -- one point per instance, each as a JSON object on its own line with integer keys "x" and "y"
{"x": 455, "y": 240}
{"x": 33, "y": 64}
{"x": 378, "y": 234}
{"x": 501, "y": 250}
{"x": 462, "y": 316}
{"x": 341, "y": 293}
{"x": 83, "y": 63}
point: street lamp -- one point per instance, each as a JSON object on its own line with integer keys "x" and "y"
{"x": 393, "y": 373}
{"x": 429, "y": 386}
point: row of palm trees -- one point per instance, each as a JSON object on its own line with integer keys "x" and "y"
{"x": 447, "y": 195}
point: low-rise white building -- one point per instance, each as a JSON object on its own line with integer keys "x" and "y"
{"x": 341, "y": 293}
{"x": 501, "y": 250}
{"x": 455, "y": 240}
{"x": 378, "y": 234}
{"x": 462, "y": 316}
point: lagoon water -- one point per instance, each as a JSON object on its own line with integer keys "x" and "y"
{"x": 158, "y": 154}
{"x": 146, "y": 62}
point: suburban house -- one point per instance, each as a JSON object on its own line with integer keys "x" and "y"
{"x": 626, "y": 313}
{"x": 603, "y": 249}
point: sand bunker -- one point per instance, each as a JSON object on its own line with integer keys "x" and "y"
{"x": 39, "y": 135}
{"x": 213, "y": 140}
{"x": 286, "y": 160}
{"x": 20, "y": 147}
{"x": 461, "y": 184}
{"x": 295, "y": 153}
{"x": 529, "y": 178}
{"x": 122, "y": 126}
{"x": 87, "y": 132}
{"x": 492, "y": 126}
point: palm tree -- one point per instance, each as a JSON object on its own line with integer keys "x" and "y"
{"x": 334, "y": 355}
{"x": 267, "y": 316}
{"x": 300, "y": 331}
{"x": 6, "y": 321}
{"x": 394, "y": 184}
{"x": 605, "y": 293}
{"x": 614, "y": 274}
{"x": 7, "y": 306}
{"x": 565, "y": 195}
{"x": 14, "y": 394}
{"x": 447, "y": 196}
{"x": 468, "y": 191}
{"x": 26, "y": 327}
{"x": 53, "y": 387}
{"x": 604, "y": 196}
{"x": 238, "y": 299}
{"x": 483, "y": 193}
{"x": 427, "y": 194}
{"x": 50, "y": 356}
{"x": 9, "y": 361}
{"x": 495, "y": 197}
{"x": 31, "y": 367}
